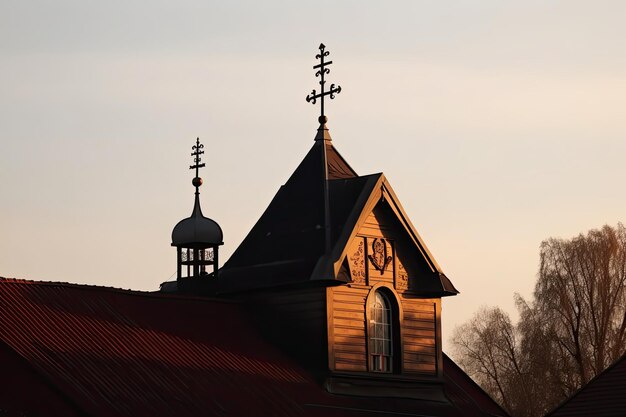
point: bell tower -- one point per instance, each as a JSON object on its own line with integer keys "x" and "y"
{"x": 197, "y": 238}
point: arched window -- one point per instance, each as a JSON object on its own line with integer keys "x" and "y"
{"x": 380, "y": 334}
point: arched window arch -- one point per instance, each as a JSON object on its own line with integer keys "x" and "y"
{"x": 383, "y": 332}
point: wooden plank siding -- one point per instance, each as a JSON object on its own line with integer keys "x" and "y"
{"x": 373, "y": 227}
{"x": 420, "y": 324}
{"x": 420, "y": 335}
{"x": 347, "y": 330}
{"x": 347, "y": 334}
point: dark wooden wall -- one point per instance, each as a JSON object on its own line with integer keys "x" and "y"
{"x": 295, "y": 321}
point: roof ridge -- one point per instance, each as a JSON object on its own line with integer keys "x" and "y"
{"x": 92, "y": 287}
{"x": 13, "y": 280}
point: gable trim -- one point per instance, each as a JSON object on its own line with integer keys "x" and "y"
{"x": 377, "y": 189}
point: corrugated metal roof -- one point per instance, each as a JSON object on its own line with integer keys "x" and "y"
{"x": 126, "y": 353}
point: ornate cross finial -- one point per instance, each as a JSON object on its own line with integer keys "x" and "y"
{"x": 320, "y": 73}
{"x": 197, "y": 151}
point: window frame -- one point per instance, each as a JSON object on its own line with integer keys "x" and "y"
{"x": 388, "y": 294}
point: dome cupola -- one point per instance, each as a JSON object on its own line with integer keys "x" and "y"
{"x": 197, "y": 237}
{"x": 197, "y": 229}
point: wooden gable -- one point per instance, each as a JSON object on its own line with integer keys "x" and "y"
{"x": 377, "y": 220}
{"x": 383, "y": 252}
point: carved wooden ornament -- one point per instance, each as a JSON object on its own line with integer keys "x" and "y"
{"x": 379, "y": 257}
{"x": 357, "y": 261}
{"x": 402, "y": 277}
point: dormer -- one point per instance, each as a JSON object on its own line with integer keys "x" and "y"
{"x": 384, "y": 323}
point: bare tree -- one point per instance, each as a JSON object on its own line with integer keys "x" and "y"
{"x": 574, "y": 327}
{"x": 581, "y": 294}
{"x": 488, "y": 344}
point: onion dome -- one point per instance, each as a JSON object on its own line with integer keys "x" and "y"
{"x": 197, "y": 229}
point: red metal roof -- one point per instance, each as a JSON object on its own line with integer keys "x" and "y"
{"x": 110, "y": 352}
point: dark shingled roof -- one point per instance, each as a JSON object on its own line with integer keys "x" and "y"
{"x": 287, "y": 241}
{"x": 107, "y": 352}
{"x": 292, "y": 226}
{"x": 603, "y": 396}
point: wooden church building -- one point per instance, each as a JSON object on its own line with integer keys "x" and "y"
{"x": 331, "y": 306}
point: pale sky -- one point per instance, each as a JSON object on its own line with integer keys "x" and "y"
{"x": 498, "y": 123}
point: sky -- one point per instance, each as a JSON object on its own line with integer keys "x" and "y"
{"x": 498, "y": 123}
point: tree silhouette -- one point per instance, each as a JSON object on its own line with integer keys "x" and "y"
{"x": 572, "y": 329}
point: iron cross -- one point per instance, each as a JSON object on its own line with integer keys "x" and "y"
{"x": 320, "y": 73}
{"x": 197, "y": 151}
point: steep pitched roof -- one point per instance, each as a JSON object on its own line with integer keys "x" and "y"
{"x": 603, "y": 396}
{"x": 117, "y": 353}
{"x": 288, "y": 239}
{"x": 287, "y": 244}
{"x": 292, "y": 226}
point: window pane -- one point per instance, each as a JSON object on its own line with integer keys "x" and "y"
{"x": 380, "y": 334}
